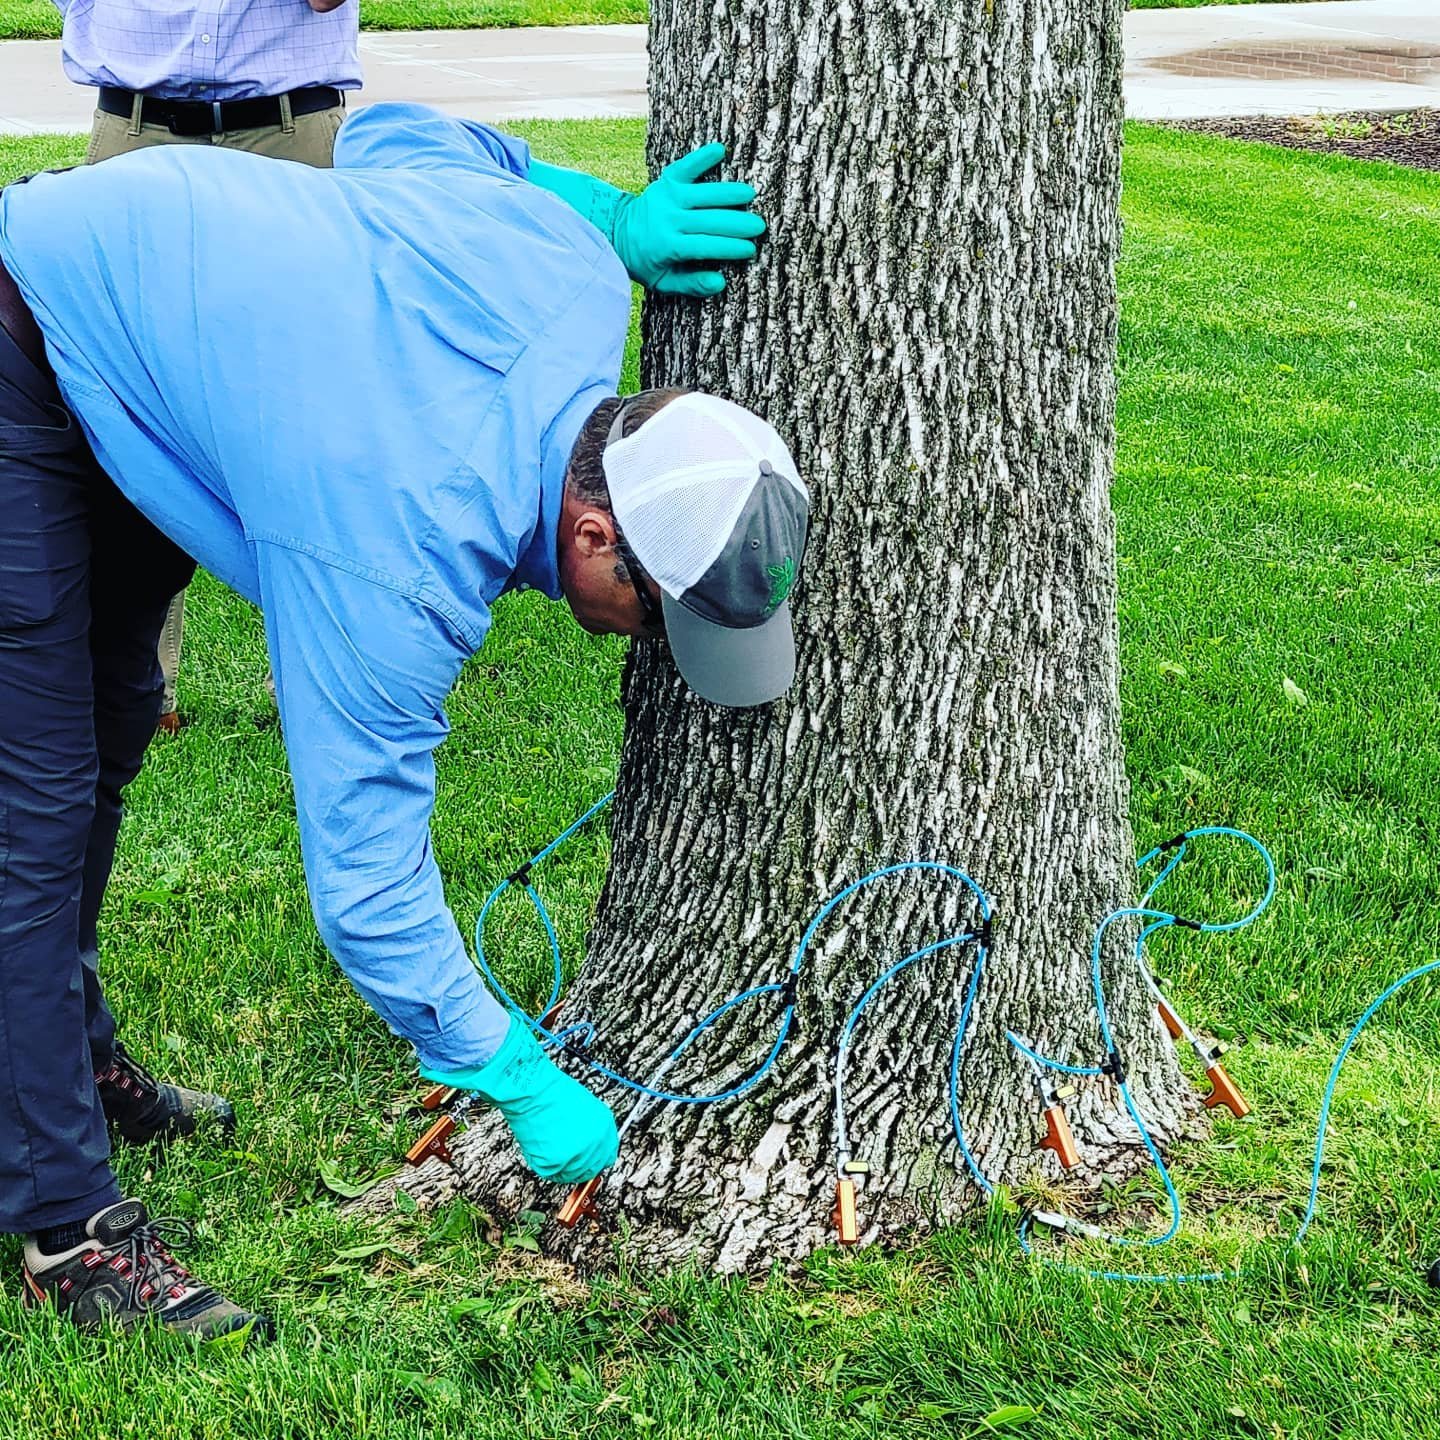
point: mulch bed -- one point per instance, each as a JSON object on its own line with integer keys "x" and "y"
{"x": 1409, "y": 139}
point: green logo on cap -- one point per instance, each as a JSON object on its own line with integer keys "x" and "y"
{"x": 782, "y": 577}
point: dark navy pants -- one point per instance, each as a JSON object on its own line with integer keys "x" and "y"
{"x": 84, "y": 584}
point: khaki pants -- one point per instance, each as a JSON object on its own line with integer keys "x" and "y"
{"x": 309, "y": 139}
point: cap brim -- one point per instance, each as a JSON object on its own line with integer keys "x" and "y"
{"x": 739, "y": 668}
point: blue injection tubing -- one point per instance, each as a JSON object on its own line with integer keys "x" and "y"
{"x": 650, "y": 1094}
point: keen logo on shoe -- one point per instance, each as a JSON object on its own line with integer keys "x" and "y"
{"x": 125, "y": 1275}
{"x": 110, "y": 1227}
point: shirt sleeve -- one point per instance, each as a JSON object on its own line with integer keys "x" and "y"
{"x": 361, "y": 675}
{"x": 395, "y": 136}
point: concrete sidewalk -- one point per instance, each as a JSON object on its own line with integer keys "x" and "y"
{"x": 581, "y": 71}
{"x": 1282, "y": 59}
{"x": 1219, "y": 60}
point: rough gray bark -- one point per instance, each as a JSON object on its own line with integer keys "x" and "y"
{"x": 932, "y": 326}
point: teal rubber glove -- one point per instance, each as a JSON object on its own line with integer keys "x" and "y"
{"x": 677, "y": 225}
{"x": 675, "y": 229}
{"x": 564, "y": 1132}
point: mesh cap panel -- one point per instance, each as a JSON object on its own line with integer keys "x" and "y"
{"x": 679, "y": 483}
{"x": 677, "y": 533}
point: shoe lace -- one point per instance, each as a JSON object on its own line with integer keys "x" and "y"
{"x": 150, "y": 1262}
{"x": 123, "y": 1063}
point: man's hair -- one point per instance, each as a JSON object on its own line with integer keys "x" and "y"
{"x": 585, "y": 474}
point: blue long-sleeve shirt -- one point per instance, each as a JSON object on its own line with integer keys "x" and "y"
{"x": 351, "y": 395}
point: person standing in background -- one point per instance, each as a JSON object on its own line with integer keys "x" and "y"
{"x": 268, "y": 76}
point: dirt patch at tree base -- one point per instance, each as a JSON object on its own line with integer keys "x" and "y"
{"x": 1409, "y": 139}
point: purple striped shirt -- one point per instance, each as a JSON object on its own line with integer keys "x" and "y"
{"x": 211, "y": 49}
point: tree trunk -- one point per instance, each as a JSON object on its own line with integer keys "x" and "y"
{"x": 932, "y": 327}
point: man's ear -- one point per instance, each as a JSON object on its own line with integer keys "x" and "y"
{"x": 594, "y": 533}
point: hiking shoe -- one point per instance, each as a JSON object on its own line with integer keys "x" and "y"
{"x": 139, "y": 1108}
{"x": 125, "y": 1275}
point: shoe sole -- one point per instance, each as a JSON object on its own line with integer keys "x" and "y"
{"x": 254, "y": 1329}
{"x": 257, "y": 1330}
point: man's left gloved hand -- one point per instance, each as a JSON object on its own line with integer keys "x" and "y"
{"x": 678, "y": 224}
{"x": 563, "y": 1131}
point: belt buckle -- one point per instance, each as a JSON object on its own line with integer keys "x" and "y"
{"x": 183, "y": 125}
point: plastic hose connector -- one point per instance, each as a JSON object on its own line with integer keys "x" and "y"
{"x": 1059, "y": 1139}
{"x": 579, "y": 1203}
{"x": 844, "y": 1219}
{"x": 1223, "y": 1092}
{"x": 434, "y": 1142}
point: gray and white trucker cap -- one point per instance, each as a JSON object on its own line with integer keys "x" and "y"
{"x": 710, "y": 501}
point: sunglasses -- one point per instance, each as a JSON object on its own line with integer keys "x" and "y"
{"x": 654, "y": 621}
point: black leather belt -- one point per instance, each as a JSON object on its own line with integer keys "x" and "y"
{"x": 203, "y": 117}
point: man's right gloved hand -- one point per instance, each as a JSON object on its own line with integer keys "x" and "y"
{"x": 677, "y": 224}
{"x": 564, "y": 1132}
{"x": 673, "y": 234}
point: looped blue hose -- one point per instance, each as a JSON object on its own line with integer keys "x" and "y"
{"x": 1176, "y": 852}
{"x": 1159, "y": 920}
{"x": 1214, "y": 927}
{"x": 784, "y": 988}
{"x": 1334, "y": 1079}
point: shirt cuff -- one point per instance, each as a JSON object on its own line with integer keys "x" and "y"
{"x": 472, "y": 1040}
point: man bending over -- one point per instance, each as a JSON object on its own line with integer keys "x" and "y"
{"x": 444, "y": 427}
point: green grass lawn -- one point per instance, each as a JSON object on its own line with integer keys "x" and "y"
{"x": 39, "y": 19}
{"x": 1183, "y": 4}
{"x": 1279, "y": 519}
{"x": 28, "y": 20}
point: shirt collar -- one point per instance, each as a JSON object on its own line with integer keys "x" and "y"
{"x": 538, "y": 566}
